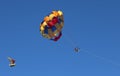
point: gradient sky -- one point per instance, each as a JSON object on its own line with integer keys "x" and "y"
{"x": 92, "y": 25}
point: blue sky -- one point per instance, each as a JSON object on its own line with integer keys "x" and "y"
{"x": 93, "y": 25}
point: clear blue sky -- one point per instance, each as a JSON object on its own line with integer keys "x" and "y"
{"x": 90, "y": 24}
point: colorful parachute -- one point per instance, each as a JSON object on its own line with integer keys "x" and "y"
{"x": 12, "y": 62}
{"x": 51, "y": 26}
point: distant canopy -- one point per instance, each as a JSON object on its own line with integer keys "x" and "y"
{"x": 12, "y": 62}
{"x": 51, "y": 26}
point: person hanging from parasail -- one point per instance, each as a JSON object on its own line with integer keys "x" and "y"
{"x": 76, "y": 49}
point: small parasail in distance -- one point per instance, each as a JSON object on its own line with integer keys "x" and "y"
{"x": 12, "y": 62}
